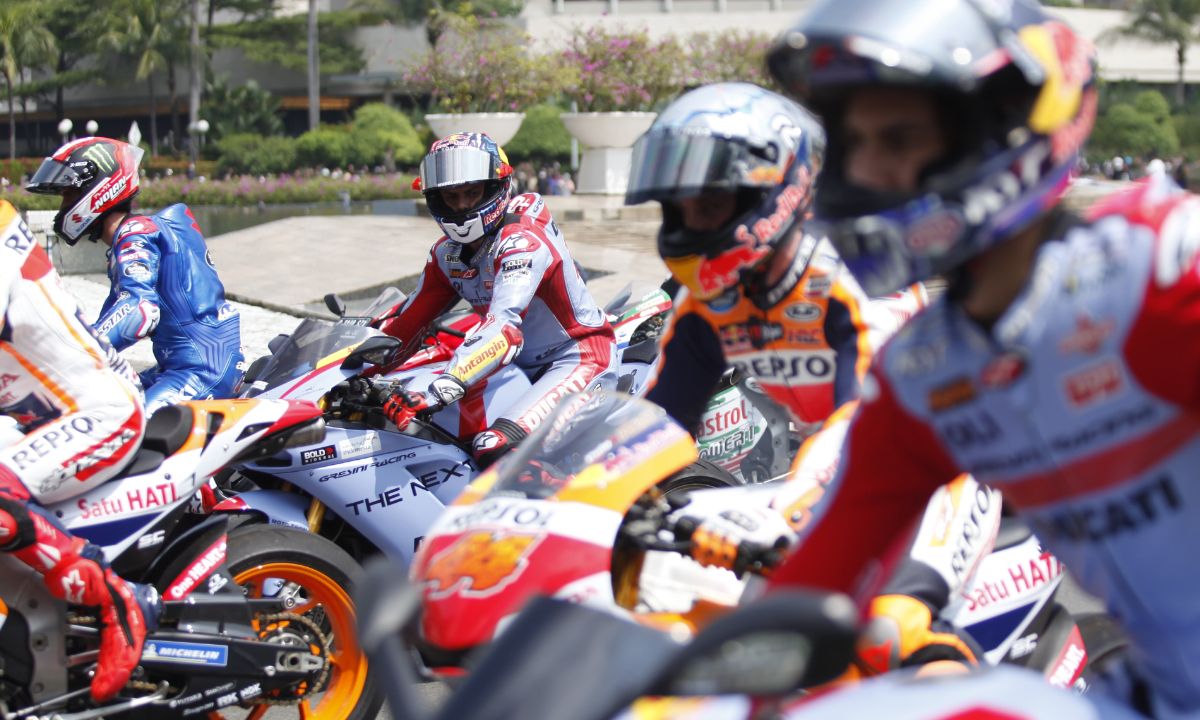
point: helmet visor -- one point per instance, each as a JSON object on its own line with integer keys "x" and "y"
{"x": 53, "y": 177}
{"x": 669, "y": 165}
{"x": 455, "y": 166}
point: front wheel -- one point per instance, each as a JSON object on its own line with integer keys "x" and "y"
{"x": 317, "y": 578}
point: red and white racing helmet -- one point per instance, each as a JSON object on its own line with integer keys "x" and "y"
{"x": 103, "y": 171}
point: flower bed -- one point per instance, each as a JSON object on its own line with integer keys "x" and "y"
{"x": 245, "y": 190}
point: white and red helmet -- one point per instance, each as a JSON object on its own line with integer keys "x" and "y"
{"x": 104, "y": 171}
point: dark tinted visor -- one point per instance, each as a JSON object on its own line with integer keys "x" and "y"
{"x": 668, "y": 165}
{"x": 53, "y": 177}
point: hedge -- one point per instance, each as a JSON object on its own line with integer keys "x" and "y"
{"x": 245, "y": 190}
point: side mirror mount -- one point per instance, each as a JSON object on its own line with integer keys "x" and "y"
{"x": 277, "y": 342}
{"x": 375, "y": 350}
{"x": 336, "y": 305}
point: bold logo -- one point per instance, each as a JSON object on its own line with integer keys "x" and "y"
{"x": 137, "y": 271}
{"x": 100, "y": 154}
{"x": 802, "y": 368}
{"x": 935, "y": 234}
{"x": 1094, "y": 383}
{"x": 316, "y": 455}
{"x": 464, "y": 274}
{"x": 520, "y": 204}
{"x": 802, "y": 312}
{"x": 952, "y": 394}
{"x": 479, "y": 564}
{"x": 818, "y": 286}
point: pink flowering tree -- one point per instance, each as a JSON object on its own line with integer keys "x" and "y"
{"x": 484, "y": 67}
{"x": 736, "y": 56}
{"x": 623, "y": 69}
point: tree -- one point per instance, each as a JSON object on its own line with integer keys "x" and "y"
{"x": 150, "y": 34}
{"x": 1140, "y": 130}
{"x": 1164, "y": 22}
{"x": 283, "y": 41}
{"x": 23, "y": 41}
{"x": 77, "y": 28}
{"x": 247, "y": 109}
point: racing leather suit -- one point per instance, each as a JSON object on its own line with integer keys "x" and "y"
{"x": 164, "y": 285}
{"x": 538, "y": 314}
{"x": 77, "y": 419}
{"x": 808, "y": 342}
{"x": 1080, "y": 404}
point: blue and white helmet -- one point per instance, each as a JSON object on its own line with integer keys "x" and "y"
{"x": 462, "y": 159}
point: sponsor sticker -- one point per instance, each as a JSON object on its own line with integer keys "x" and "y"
{"x": 952, "y": 394}
{"x": 316, "y": 455}
{"x": 1087, "y": 337}
{"x": 1093, "y": 384}
{"x": 802, "y": 312}
{"x": 137, "y": 271}
{"x": 479, "y": 564}
{"x": 187, "y": 653}
{"x": 365, "y": 444}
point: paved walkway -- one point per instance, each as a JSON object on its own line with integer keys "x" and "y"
{"x": 291, "y": 264}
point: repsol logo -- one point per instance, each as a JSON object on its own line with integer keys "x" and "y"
{"x": 804, "y": 368}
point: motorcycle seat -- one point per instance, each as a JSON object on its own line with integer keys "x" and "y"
{"x": 166, "y": 431}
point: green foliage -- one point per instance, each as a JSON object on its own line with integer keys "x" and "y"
{"x": 542, "y": 136}
{"x": 1126, "y": 130}
{"x": 327, "y": 146}
{"x": 391, "y": 132}
{"x": 1152, "y": 104}
{"x": 244, "y": 190}
{"x": 478, "y": 67}
{"x": 1187, "y": 127}
{"x": 283, "y": 41}
{"x": 255, "y": 154}
{"x": 238, "y": 110}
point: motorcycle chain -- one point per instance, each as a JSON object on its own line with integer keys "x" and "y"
{"x": 311, "y": 626}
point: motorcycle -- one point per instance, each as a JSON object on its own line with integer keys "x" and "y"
{"x": 254, "y": 616}
{"x": 586, "y": 505}
{"x": 771, "y": 658}
{"x": 386, "y": 487}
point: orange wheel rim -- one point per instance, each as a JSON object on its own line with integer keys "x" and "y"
{"x": 349, "y": 672}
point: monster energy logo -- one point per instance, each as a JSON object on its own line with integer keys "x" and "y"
{"x": 100, "y": 155}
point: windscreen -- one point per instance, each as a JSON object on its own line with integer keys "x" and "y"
{"x": 613, "y": 432}
{"x": 306, "y": 348}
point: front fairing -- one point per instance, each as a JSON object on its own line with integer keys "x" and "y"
{"x": 545, "y": 519}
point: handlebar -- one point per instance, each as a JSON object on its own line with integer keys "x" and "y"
{"x": 657, "y": 526}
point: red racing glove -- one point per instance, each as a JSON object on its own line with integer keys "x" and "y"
{"x": 404, "y": 405}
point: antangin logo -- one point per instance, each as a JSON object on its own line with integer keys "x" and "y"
{"x": 101, "y": 155}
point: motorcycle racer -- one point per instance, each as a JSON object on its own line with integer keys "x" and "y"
{"x": 507, "y": 258}
{"x": 164, "y": 283}
{"x": 733, "y": 165}
{"x": 1060, "y": 365}
{"x": 76, "y": 419}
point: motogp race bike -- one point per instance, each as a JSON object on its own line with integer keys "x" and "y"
{"x": 585, "y": 510}
{"x": 368, "y": 486}
{"x": 254, "y": 616}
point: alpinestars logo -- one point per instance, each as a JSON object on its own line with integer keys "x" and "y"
{"x": 102, "y": 156}
{"x": 73, "y": 587}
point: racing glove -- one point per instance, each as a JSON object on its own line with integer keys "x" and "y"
{"x": 403, "y": 405}
{"x": 743, "y": 539}
{"x": 903, "y": 632}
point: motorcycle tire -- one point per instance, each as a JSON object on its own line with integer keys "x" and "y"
{"x": 259, "y": 553}
{"x": 700, "y": 475}
{"x": 1104, "y": 639}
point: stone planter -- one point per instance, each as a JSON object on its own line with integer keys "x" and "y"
{"x": 500, "y": 127}
{"x": 607, "y": 138}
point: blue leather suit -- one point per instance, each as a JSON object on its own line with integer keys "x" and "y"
{"x": 164, "y": 285}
